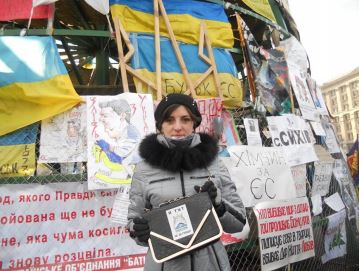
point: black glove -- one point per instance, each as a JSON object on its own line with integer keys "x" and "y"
{"x": 211, "y": 189}
{"x": 141, "y": 229}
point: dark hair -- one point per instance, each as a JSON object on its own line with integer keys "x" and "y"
{"x": 178, "y": 99}
{"x": 169, "y": 110}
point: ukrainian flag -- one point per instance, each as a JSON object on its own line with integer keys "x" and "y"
{"x": 185, "y": 17}
{"x": 172, "y": 78}
{"x": 17, "y": 152}
{"x": 34, "y": 83}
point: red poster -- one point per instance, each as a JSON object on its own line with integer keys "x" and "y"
{"x": 21, "y": 9}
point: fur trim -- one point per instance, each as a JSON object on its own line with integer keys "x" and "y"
{"x": 178, "y": 158}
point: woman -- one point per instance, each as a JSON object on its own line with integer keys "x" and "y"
{"x": 178, "y": 162}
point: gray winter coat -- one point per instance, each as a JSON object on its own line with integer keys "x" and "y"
{"x": 167, "y": 174}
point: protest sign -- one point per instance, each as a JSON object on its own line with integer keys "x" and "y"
{"x": 335, "y": 238}
{"x": 260, "y": 174}
{"x": 317, "y": 96}
{"x": 63, "y": 137}
{"x": 317, "y": 128}
{"x": 252, "y": 132}
{"x": 63, "y": 226}
{"x": 115, "y": 127}
{"x": 335, "y": 202}
{"x": 291, "y": 133}
{"x": 301, "y": 91}
{"x": 322, "y": 177}
{"x": 330, "y": 139}
{"x": 285, "y": 232}
{"x": 299, "y": 174}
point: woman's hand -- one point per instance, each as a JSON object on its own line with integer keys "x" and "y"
{"x": 141, "y": 229}
{"x": 211, "y": 189}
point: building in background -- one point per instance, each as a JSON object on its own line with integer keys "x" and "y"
{"x": 342, "y": 98}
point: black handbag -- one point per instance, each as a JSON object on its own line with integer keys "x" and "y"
{"x": 182, "y": 225}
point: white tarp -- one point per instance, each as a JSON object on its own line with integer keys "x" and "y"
{"x": 291, "y": 133}
{"x": 260, "y": 174}
{"x": 115, "y": 127}
{"x": 285, "y": 232}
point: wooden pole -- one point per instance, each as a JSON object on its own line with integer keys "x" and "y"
{"x": 213, "y": 61}
{"x": 121, "y": 58}
{"x": 178, "y": 53}
{"x": 250, "y": 76}
{"x": 158, "y": 51}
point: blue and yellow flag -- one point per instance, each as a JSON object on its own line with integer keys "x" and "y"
{"x": 34, "y": 83}
{"x": 353, "y": 161}
{"x": 172, "y": 78}
{"x": 17, "y": 152}
{"x": 185, "y": 17}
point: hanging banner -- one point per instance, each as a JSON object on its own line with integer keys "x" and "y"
{"x": 144, "y": 60}
{"x": 185, "y": 17}
{"x": 291, "y": 133}
{"x": 335, "y": 238}
{"x": 21, "y": 9}
{"x": 285, "y": 232}
{"x": 101, "y": 6}
{"x": 299, "y": 174}
{"x": 115, "y": 127}
{"x": 322, "y": 177}
{"x": 63, "y": 137}
{"x": 262, "y": 7}
{"x": 260, "y": 174}
{"x": 63, "y": 226}
{"x": 17, "y": 152}
{"x": 33, "y": 86}
{"x": 301, "y": 91}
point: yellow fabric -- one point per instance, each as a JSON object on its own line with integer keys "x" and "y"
{"x": 17, "y": 160}
{"x": 174, "y": 82}
{"x": 22, "y": 104}
{"x": 262, "y": 7}
{"x": 220, "y": 33}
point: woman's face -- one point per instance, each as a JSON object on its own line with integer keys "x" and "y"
{"x": 178, "y": 125}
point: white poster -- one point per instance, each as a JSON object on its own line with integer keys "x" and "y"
{"x": 252, "y": 132}
{"x": 316, "y": 204}
{"x": 317, "y": 96}
{"x": 330, "y": 140}
{"x": 335, "y": 238}
{"x": 335, "y": 202}
{"x": 63, "y": 137}
{"x": 291, "y": 133}
{"x": 260, "y": 174}
{"x": 63, "y": 226}
{"x": 317, "y": 128}
{"x": 299, "y": 174}
{"x": 285, "y": 232}
{"x": 322, "y": 177}
{"x": 115, "y": 128}
{"x": 301, "y": 91}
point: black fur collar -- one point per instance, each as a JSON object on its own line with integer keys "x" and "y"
{"x": 178, "y": 158}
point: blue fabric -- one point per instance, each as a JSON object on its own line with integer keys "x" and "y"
{"x": 198, "y": 9}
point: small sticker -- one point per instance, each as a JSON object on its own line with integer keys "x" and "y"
{"x": 180, "y": 222}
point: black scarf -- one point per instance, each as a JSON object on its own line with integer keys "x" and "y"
{"x": 178, "y": 158}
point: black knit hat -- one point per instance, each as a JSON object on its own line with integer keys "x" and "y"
{"x": 176, "y": 98}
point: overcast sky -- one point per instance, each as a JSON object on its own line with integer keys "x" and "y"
{"x": 329, "y": 31}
